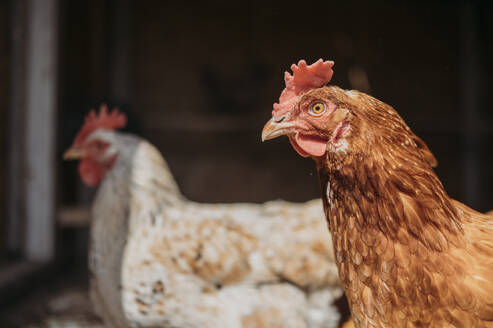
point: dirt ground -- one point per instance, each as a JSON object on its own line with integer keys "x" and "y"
{"x": 62, "y": 304}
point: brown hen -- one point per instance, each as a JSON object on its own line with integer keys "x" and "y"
{"x": 408, "y": 255}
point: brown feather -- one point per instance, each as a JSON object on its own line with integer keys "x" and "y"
{"x": 408, "y": 255}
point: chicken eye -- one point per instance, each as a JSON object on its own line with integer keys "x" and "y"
{"x": 317, "y": 108}
{"x": 98, "y": 145}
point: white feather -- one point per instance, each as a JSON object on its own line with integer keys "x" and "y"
{"x": 160, "y": 260}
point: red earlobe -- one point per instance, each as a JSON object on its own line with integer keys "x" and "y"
{"x": 339, "y": 133}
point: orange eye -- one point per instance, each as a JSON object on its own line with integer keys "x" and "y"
{"x": 317, "y": 108}
{"x": 98, "y": 145}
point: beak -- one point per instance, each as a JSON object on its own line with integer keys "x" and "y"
{"x": 74, "y": 153}
{"x": 275, "y": 129}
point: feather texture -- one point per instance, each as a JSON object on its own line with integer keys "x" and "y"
{"x": 158, "y": 259}
{"x": 408, "y": 255}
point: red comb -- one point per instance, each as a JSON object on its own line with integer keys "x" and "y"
{"x": 305, "y": 77}
{"x": 103, "y": 120}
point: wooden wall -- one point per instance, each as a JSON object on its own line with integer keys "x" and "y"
{"x": 206, "y": 76}
{"x": 4, "y": 105}
{"x": 203, "y": 76}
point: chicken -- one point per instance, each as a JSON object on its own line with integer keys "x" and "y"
{"x": 408, "y": 255}
{"x": 158, "y": 259}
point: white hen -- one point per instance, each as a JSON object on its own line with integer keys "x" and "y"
{"x": 160, "y": 260}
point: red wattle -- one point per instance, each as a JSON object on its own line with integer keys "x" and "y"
{"x": 298, "y": 148}
{"x": 90, "y": 172}
{"x": 307, "y": 145}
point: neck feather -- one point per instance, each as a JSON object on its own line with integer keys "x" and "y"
{"x": 390, "y": 190}
{"x": 145, "y": 173}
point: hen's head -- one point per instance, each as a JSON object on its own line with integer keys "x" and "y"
{"x": 95, "y": 144}
{"x": 321, "y": 119}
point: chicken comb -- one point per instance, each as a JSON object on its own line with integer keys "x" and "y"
{"x": 104, "y": 120}
{"x": 305, "y": 78}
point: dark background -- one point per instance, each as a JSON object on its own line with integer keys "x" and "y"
{"x": 198, "y": 80}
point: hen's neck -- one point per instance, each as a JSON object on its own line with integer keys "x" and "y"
{"x": 142, "y": 171}
{"x": 388, "y": 193}
{"x": 133, "y": 193}
{"x": 131, "y": 197}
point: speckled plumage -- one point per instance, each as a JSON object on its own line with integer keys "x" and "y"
{"x": 159, "y": 260}
{"x": 408, "y": 255}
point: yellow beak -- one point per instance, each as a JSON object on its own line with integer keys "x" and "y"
{"x": 273, "y": 129}
{"x": 74, "y": 153}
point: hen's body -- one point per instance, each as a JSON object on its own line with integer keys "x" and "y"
{"x": 408, "y": 255}
{"x": 162, "y": 261}
{"x": 414, "y": 273}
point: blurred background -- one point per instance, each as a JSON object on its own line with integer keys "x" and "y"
{"x": 198, "y": 80}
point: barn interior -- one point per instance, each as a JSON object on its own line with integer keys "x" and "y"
{"x": 198, "y": 80}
